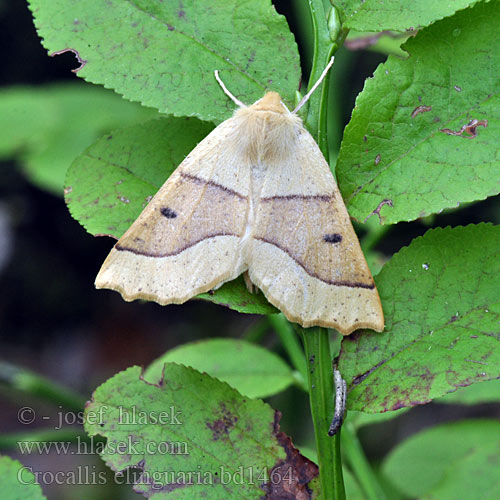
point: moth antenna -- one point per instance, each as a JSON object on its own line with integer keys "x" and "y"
{"x": 315, "y": 86}
{"x": 226, "y": 91}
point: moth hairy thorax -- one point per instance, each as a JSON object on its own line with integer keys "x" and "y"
{"x": 267, "y": 132}
{"x": 266, "y": 135}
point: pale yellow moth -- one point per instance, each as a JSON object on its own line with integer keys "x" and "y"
{"x": 256, "y": 196}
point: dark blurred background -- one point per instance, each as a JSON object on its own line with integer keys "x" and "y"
{"x": 55, "y": 323}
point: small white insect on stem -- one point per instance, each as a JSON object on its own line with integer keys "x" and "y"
{"x": 340, "y": 397}
{"x": 226, "y": 91}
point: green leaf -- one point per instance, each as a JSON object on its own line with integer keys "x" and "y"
{"x": 397, "y": 15}
{"x": 449, "y": 462}
{"x": 18, "y": 481}
{"x": 442, "y": 313}
{"x": 484, "y": 392}
{"x": 359, "y": 419}
{"x": 164, "y": 54}
{"x": 385, "y": 42}
{"x": 235, "y": 295}
{"x": 212, "y": 439}
{"x": 398, "y": 148}
{"x": 252, "y": 370}
{"x": 111, "y": 182}
{"x": 46, "y": 128}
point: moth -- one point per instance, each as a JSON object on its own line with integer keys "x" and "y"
{"x": 256, "y": 196}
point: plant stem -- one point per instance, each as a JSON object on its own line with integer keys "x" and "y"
{"x": 360, "y": 466}
{"x": 31, "y": 383}
{"x": 328, "y": 36}
{"x": 257, "y": 331}
{"x": 321, "y": 397}
{"x": 376, "y": 232}
{"x": 291, "y": 344}
{"x": 326, "y": 43}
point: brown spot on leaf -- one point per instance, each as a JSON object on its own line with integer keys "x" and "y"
{"x": 77, "y": 55}
{"x": 161, "y": 382}
{"x": 364, "y": 42}
{"x": 359, "y": 378}
{"x": 470, "y": 129}
{"x": 221, "y": 426}
{"x": 289, "y": 478}
{"x": 276, "y": 422}
{"x": 181, "y": 12}
{"x": 420, "y": 109}
{"x": 377, "y": 210}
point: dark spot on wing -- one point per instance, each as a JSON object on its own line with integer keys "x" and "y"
{"x": 168, "y": 213}
{"x": 332, "y": 238}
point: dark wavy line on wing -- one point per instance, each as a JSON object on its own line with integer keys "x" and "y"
{"x": 121, "y": 248}
{"x": 351, "y": 284}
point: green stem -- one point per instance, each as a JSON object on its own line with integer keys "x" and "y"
{"x": 291, "y": 345}
{"x": 257, "y": 331}
{"x": 28, "y": 382}
{"x": 376, "y": 232}
{"x": 328, "y": 37}
{"x": 321, "y": 398}
{"x": 360, "y": 466}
